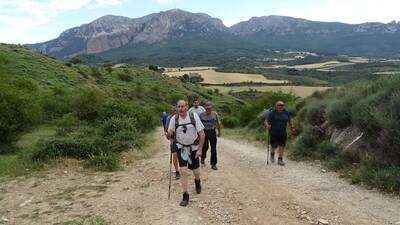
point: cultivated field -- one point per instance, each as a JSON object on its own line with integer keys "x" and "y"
{"x": 322, "y": 66}
{"x": 387, "y": 73}
{"x": 301, "y": 91}
{"x": 213, "y": 77}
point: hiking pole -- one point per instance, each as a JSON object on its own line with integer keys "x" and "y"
{"x": 268, "y": 150}
{"x": 170, "y": 176}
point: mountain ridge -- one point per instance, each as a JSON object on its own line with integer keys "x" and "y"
{"x": 110, "y": 32}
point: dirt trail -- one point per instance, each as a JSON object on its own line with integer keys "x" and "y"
{"x": 243, "y": 191}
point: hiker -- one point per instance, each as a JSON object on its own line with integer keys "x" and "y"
{"x": 210, "y": 120}
{"x": 189, "y": 137}
{"x": 196, "y": 107}
{"x": 164, "y": 117}
{"x": 173, "y": 147}
{"x": 276, "y": 122}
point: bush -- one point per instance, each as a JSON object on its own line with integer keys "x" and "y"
{"x": 88, "y": 104}
{"x": 19, "y": 111}
{"x": 339, "y": 114}
{"x": 66, "y": 124}
{"x": 57, "y": 102}
{"x": 125, "y": 76}
{"x": 315, "y": 113}
{"x": 121, "y": 134}
{"x": 230, "y": 122}
{"x": 145, "y": 118}
{"x": 104, "y": 161}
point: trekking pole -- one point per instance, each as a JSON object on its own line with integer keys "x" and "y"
{"x": 268, "y": 150}
{"x": 170, "y": 176}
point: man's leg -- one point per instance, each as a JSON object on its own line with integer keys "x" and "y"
{"x": 175, "y": 161}
{"x": 204, "y": 150}
{"x": 282, "y": 144}
{"x": 184, "y": 183}
{"x": 274, "y": 146}
{"x": 214, "y": 160}
{"x": 195, "y": 167}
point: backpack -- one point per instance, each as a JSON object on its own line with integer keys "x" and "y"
{"x": 177, "y": 126}
{"x": 267, "y": 112}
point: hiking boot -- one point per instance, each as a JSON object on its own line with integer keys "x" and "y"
{"x": 272, "y": 158}
{"x": 177, "y": 175}
{"x": 185, "y": 200}
{"x": 214, "y": 167}
{"x": 197, "y": 186}
{"x": 280, "y": 162}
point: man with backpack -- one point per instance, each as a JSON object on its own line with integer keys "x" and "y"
{"x": 189, "y": 137}
{"x": 173, "y": 147}
{"x": 276, "y": 122}
{"x": 196, "y": 107}
{"x": 210, "y": 120}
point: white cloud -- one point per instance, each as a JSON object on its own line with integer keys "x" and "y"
{"x": 350, "y": 11}
{"x": 18, "y": 17}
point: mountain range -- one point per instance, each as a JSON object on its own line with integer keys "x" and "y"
{"x": 177, "y": 35}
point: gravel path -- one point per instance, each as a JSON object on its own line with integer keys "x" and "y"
{"x": 243, "y": 191}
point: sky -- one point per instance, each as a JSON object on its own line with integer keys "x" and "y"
{"x": 32, "y": 21}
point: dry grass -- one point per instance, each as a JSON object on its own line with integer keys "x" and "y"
{"x": 387, "y": 73}
{"x": 324, "y": 65}
{"x": 301, "y": 91}
{"x": 359, "y": 59}
{"x": 213, "y": 77}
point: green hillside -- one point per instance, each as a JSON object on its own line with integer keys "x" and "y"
{"x": 355, "y": 130}
{"x": 50, "y": 109}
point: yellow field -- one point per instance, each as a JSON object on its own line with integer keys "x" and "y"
{"x": 301, "y": 91}
{"x": 213, "y": 77}
{"x": 192, "y": 69}
{"x": 359, "y": 59}
{"x": 324, "y": 65}
{"x": 387, "y": 73}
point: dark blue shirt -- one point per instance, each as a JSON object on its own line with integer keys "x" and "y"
{"x": 278, "y": 122}
{"x": 164, "y": 120}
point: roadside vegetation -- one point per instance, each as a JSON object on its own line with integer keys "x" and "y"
{"x": 366, "y": 109}
{"x": 51, "y": 110}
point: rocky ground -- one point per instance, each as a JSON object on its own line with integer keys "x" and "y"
{"x": 243, "y": 191}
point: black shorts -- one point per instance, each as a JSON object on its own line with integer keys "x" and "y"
{"x": 173, "y": 147}
{"x": 195, "y": 162}
{"x": 276, "y": 141}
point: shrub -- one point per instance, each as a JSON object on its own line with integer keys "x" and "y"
{"x": 315, "y": 113}
{"x": 66, "y": 124}
{"x": 18, "y": 112}
{"x": 339, "y": 114}
{"x": 230, "y": 122}
{"x": 95, "y": 72}
{"x": 57, "y": 102}
{"x": 145, "y": 117}
{"x": 88, "y": 103}
{"x": 105, "y": 161}
{"x": 125, "y": 76}
{"x": 326, "y": 150}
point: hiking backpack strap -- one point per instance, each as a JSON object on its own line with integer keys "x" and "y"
{"x": 192, "y": 119}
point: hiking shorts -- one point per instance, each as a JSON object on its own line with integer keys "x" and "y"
{"x": 173, "y": 147}
{"x": 276, "y": 141}
{"x": 195, "y": 162}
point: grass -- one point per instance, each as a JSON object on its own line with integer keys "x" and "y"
{"x": 301, "y": 91}
{"x": 214, "y": 77}
{"x": 323, "y": 65}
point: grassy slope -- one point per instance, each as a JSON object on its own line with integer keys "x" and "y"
{"x": 144, "y": 87}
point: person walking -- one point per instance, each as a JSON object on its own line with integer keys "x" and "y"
{"x": 211, "y": 123}
{"x": 276, "y": 122}
{"x": 189, "y": 136}
{"x": 196, "y": 107}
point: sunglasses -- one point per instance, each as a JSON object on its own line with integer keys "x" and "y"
{"x": 280, "y": 105}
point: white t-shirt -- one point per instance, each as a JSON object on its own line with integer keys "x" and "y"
{"x": 197, "y": 110}
{"x": 189, "y": 136}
